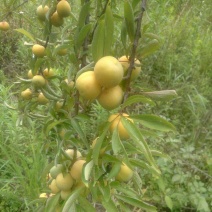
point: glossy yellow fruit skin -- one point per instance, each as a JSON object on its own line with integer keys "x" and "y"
{"x": 4, "y": 26}
{"x": 38, "y": 81}
{"x": 115, "y": 120}
{"x": 63, "y": 9}
{"x": 53, "y": 186}
{"x": 39, "y": 50}
{"x": 88, "y": 86}
{"x": 111, "y": 98}
{"x": 56, "y": 20}
{"x": 108, "y": 71}
{"x": 64, "y": 181}
{"x": 125, "y": 173}
{"x": 41, "y": 12}
{"x": 30, "y": 74}
{"x": 124, "y": 60}
{"x": 55, "y": 170}
{"x": 76, "y": 169}
{"x": 70, "y": 153}
{"x": 65, "y": 194}
{"x": 26, "y": 94}
{"x": 48, "y": 73}
{"x": 62, "y": 52}
{"x": 42, "y": 99}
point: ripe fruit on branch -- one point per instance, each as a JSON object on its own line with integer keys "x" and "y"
{"x": 4, "y": 26}
{"x": 124, "y": 60}
{"x": 76, "y": 169}
{"x": 111, "y": 98}
{"x": 61, "y": 51}
{"x": 115, "y": 120}
{"x": 65, "y": 194}
{"x": 64, "y": 181}
{"x": 41, "y": 12}
{"x": 39, "y": 50}
{"x": 63, "y": 9}
{"x": 30, "y": 74}
{"x": 71, "y": 153}
{"x": 48, "y": 72}
{"x": 55, "y": 170}
{"x": 26, "y": 94}
{"x": 56, "y": 20}
{"x": 42, "y": 99}
{"x": 38, "y": 81}
{"x": 108, "y": 71}
{"x": 88, "y": 86}
{"x": 53, "y": 186}
{"x": 125, "y": 173}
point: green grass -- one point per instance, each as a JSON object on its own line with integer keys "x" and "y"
{"x": 22, "y": 160}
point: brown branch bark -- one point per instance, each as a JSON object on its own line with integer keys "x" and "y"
{"x": 134, "y": 48}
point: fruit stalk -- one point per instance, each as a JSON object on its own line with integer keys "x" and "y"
{"x": 134, "y": 48}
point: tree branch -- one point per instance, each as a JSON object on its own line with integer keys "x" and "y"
{"x": 134, "y": 48}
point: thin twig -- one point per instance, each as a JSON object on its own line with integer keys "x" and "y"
{"x": 134, "y": 48}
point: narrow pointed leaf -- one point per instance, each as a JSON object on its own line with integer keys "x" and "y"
{"x": 81, "y": 36}
{"x": 85, "y": 204}
{"x": 164, "y": 95}
{"x": 149, "y": 48}
{"x": 71, "y": 200}
{"x": 98, "y": 145}
{"x": 129, "y": 20}
{"x": 52, "y": 203}
{"x": 98, "y": 41}
{"x": 109, "y": 205}
{"x": 114, "y": 171}
{"x": 85, "y": 9}
{"x": 137, "y": 99}
{"x": 109, "y": 29}
{"x": 137, "y": 203}
{"x": 27, "y": 34}
{"x": 87, "y": 171}
{"x": 169, "y": 202}
{"x": 138, "y": 140}
{"x": 154, "y": 122}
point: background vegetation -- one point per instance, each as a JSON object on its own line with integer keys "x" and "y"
{"x": 183, "y": 62}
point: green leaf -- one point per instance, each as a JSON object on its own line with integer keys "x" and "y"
{"x": 137, "y": 99}
{"x": 98, "y": 145}
{"x": 114, "y": 171}
{"x": 143, "y": 165}
{"x": 117, "y": 146}
{"x": 149, "y": 48}
{"x": 81, "y": 36}
{"x": 85, "y": 204}
{"x": 87, "y": 172}
{"x": 27, "y": 34}
{"x": 138, "y": 140}
{"x": 109, "y": 29}
{"x": 71, "y": 200}
{"x": 105, "y": 190}
{"x": 52, "y": 203}
{"x": 97, "y": 47}
{"x": 75, "y": 124}
{"x": 164, "y": 95}
{"x": 137, "y": 203}
{"x": 154, "y": 122}
{"x": 124, "y": 35}
{"x": 129, "y": 20}
{"x": 84, "y": 12}
{"x": 89, "y": 67}
{"x": 169, "y": 202}
{"x": 50, "y": 125}
{"x": 109, "y": 206}
{"x": 110, "y": 158}
{"x": 124, "y": 189}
